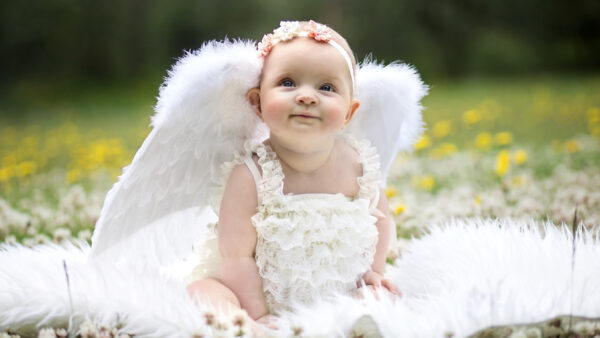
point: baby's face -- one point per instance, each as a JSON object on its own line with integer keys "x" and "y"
{"x": 306, "y": 88}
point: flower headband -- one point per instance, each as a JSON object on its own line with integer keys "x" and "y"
{"x": 288, "y": 30}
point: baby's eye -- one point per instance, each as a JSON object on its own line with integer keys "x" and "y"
{"x": 287, "y": 83}
{"x": 327, "y": 88}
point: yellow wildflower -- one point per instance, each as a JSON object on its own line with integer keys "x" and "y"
{"x": 502, "y": 163}
{"x": 73, "y": 175}
{"x": 442, "y": 129}
{"x": 424, "y": 142}
{"x": 571, "y": 146}
{"x": 504, "y": 138}
{"x": 6, "y": 174}
{"x": 478, "y": 200}
{"x": 399, "y": 209}
{"x": 593, "y": 115}
{"x": 391, "y": 192}
{"x": 520, "y": 156}
{"x": 471, "y": 116}
{"x": 25, "y": 168}
{"x": 9, "y": 160}
{"x": 436, "y": 153}
{"x": 426, "y": 182}
{"x": 448, "y": 148}
{"x": 483, "y": 140}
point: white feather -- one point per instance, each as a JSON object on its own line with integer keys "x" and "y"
{"x": 463, "y": 276}
{"x": 202, "y": 117}
{"x": 389, "y": 114}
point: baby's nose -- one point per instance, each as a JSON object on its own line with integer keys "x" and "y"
{"x": 306, "y": 99}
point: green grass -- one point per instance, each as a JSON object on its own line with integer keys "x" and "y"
{"x": 535, "y": 110}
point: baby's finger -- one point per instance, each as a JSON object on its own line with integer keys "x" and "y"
{"x": 374, "y": 292}
{"x": 391, "y": 287}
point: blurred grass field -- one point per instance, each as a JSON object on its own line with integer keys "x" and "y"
{"x": 516, "y": 129}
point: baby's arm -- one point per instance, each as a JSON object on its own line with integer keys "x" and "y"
{"x": 237, "y": 242}
{"x": 384, "y": 225}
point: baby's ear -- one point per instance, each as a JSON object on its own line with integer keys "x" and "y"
{"x": 354, "y": 104}
{"x": 253, "y": 97}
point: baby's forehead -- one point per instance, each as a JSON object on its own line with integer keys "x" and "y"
{"x": 301, "y": 51}
{"x": 302, "y": 46}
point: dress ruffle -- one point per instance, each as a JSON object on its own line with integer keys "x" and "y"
{"x": 312, "y": 247}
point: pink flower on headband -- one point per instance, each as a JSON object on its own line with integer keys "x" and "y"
{"x": 319, "y": 32}
{"x": 265, "y": 46}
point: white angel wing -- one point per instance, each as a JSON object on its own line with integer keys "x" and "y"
{"x": 160, "y": 205}
{"x": 390, "y": 110}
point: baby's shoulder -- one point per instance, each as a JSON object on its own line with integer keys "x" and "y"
{"x": 241, "y": 181}
{"x": 348, "y": 157}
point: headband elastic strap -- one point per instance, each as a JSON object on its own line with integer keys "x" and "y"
{"x": 346, "y": 57}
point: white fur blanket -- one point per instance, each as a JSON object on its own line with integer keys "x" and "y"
{"x": 461, "y": 277}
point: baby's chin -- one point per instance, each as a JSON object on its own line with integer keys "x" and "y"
{"x": 304, "y": 140}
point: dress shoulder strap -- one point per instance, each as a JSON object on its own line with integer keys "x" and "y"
{"x": 370, "y": 181}
{"x": 268, "y": 175}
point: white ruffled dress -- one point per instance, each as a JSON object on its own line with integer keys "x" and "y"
{"x": 309, "y": 246}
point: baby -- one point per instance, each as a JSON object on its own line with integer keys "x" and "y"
{"x": 302, "y": 214}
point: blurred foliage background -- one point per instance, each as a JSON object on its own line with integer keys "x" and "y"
{"x": 116, "y": 40}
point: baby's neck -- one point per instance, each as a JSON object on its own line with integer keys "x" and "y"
{"x": 303, "y": 162}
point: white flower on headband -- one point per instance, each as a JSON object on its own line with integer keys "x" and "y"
{"x": 288, "y": 30}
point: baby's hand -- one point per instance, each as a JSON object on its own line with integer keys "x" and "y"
{"x": 376, "y": 280}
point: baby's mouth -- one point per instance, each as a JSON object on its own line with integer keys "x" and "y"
{"x": 305, "y": 116}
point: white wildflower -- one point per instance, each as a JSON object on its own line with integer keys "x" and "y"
{"x": 105, "y": 331}
{"x": 87, "y": 329}
{"x": 89, "y": 214}
{"x": 42, "y": 215}
{"x": 73, "y": 200}
{"x": 61, "y": 333}
{"x": 47, "y": 332}
{"x": 84, "y": 235}
{"x": 11, "y": 218}
{"x": 584, "y": 329}
{"x": 41, "y": 239}
{"x": 32, "y": 231}
{"x": 29, "y": 242}
{"x": 10, "y": 240}
{"x": 62, "y": 219}
{"x": 61, "y": 234}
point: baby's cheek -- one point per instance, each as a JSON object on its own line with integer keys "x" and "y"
{"x": 273, "y": 108}
{"x": 337, "y": 118}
